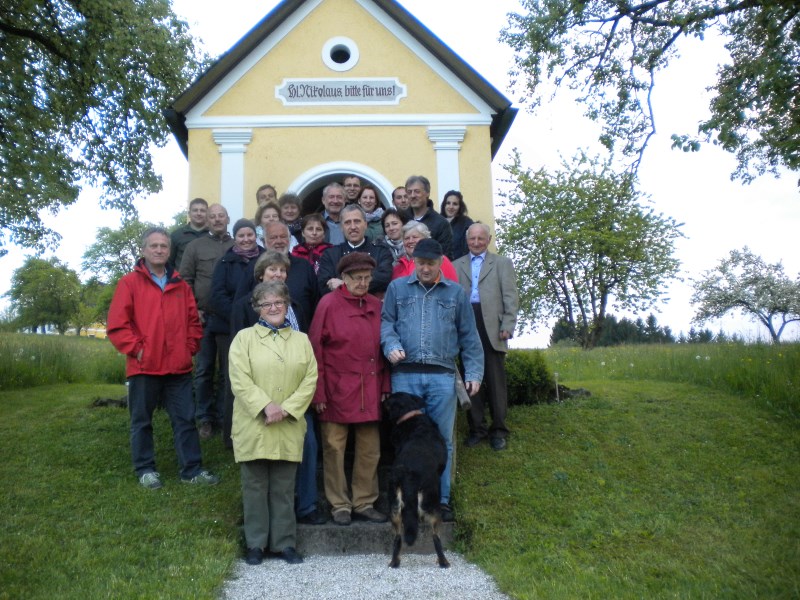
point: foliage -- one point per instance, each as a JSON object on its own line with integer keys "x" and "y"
{"x": 582, "y": 242}
{"x": 115, "y": 251}
{"x": 744, "y": 281}
{"x": 610, "y": 52}
{"x": 644, "y": 490}
{"x": 113, "y": 538}
{"x": 82, "y": 87}
{"x": 45, "y": 292}
{"x": 529, "y": 379}
{"x": 617, "y": 332}
{"x": 765, "y": 374}
{"x": 34, "y": 360}
{"x": 93, "y": 307}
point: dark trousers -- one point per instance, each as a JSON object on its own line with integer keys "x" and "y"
{"x": 144, "y": 393}
{"x": 223, "y": 347}
{"x": 210, "y": 404}
{"x": 494, "y": 391}
{"x": 306, "y": 485}
{"x": 268, "y": 499}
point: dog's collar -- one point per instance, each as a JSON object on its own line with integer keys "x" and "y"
{"x": 408, "y": 415}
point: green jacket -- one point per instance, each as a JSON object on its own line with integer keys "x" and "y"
{"x": 266, "y": 367}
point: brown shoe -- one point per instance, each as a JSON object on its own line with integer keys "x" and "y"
{"x": 342, "y": 517}
{"x": 371, "y": 515}
{"x": 206, "y": 431}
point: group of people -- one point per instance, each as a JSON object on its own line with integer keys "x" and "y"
{"x": 313, "y": 320}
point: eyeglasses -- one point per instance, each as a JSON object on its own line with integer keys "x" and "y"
{"x": 360, "y": 278}
{"x": 279, "y": 304}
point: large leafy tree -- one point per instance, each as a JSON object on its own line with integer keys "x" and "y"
{"x": 743, "y": 281}
{"x": 115, "y": 251}
{"x": 582, "y": 241}
{"x": 610, "y": 52}
{"x": 45, "y": 292}
{"x": 82, "y": 87}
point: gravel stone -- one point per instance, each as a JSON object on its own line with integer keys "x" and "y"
{"x": 358, "y": 577}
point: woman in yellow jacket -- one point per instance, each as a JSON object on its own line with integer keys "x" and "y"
{"x": 273, "y": 376}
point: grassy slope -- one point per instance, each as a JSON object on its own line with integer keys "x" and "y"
{"x": 76, "y": 524}
{"x": 647, "y": 489}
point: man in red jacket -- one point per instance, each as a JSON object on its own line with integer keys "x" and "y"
{"x": 153, "y": 321}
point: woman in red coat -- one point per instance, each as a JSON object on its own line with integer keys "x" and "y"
{"x": 352, "y": 380}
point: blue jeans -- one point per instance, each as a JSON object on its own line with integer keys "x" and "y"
{"x": 210, "y": 407}
{"x": 439, "y": 392}
{"x": 306, "y": 481}
{"x": 144, "y": 393}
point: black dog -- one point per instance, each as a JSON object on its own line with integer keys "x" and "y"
{"x": 420, "y": 459}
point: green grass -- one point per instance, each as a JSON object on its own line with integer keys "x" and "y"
{"x": 678, "y": 478}
{"x": 75, "y": 522}
{"x": 770, "y": 375}
{"x": 30, "y": 360}
{"x": 644, "y": 490}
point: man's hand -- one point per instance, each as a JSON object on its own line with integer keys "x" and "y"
{"x": 320, "y": 408}
{"x": 472, "y": 387}
{"x": 396, "y": 356}
{"x": 139, "y": 355}
{"x": 505, "y": 335}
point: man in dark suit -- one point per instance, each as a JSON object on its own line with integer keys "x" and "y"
{"x": 354, "y": 226}
{"x": 491, "y": 283}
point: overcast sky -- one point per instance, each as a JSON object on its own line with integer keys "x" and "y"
{"x": 695, "y": 189}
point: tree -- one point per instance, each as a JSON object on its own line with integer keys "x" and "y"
{"x": 611, "y": 51}
{"x": 44, "y": 292}
{"x": 582, "y": 241}
{"x": 93, "y": 306}
{"x": 115, "y": 251}
{"x": 744, "y": 281}
{"x": 82, "y": 87}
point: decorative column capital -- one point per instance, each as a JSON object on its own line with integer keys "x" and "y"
{"x": 446, "y": 137}
{"x": 232, "y": 140}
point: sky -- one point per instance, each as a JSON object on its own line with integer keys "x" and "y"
{"x": 694, "y": 188}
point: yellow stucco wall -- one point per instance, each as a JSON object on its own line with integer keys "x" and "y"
{"x": 279, "y": 155}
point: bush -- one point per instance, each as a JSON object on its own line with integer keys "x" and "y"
{"x": 529, "y": 378}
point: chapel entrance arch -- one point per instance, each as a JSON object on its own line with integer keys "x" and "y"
{"x": 309, "y": 185}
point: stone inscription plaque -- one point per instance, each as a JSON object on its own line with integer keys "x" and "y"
{"x": 372, "y": 91}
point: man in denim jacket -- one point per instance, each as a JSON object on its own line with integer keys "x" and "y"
{"x": 426, "y": 321}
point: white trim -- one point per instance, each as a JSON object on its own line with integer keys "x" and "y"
{"x": 425, "y": 56}
{"x": 333, "y": 170}
{"x": 352, "y": 49}
{"x": 350, "y": 120}
{"x": 232, "y": 146}
{"x": 447, "y": 144}
{"x": 221, "y": 88}
{"x": 249, "y": 61}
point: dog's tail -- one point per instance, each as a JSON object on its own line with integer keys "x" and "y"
{"x": 410, "y": 512}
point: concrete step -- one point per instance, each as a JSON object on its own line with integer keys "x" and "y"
{"x": 365, "y": 538}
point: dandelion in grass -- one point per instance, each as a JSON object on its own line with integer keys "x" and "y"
{"x": 697, "y": 357}
{"x": 603, "y": 364}
{"x": 708, "y": 358}
{"x": 631, "y": 365}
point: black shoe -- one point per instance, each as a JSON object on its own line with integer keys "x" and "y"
{"x": 315, "y": 517}
{"x": 291, "y": 556}
{"x": 498, "y": 443}
{"x": 254, "y": 556}
{"x": 342, "y": 517}
{"x": 447, "y": 513}
{"x": 473, "y": 440}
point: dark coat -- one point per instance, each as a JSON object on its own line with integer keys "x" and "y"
{"x": 301, "y": 281}
{"x": 227, "y": 276}
{"x": 459, "y": 226}
{"x": 381, "y": 276}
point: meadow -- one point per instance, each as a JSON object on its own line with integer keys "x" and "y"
{"x": 679, "y": 477}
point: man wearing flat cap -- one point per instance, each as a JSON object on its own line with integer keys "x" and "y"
{"x": 426, "y": 322}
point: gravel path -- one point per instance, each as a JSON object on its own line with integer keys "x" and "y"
{"x": 366, "y": 577}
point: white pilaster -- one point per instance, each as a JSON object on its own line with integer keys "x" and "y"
{"x": 447, "y": 143}
{"x": 232, "y": 146}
